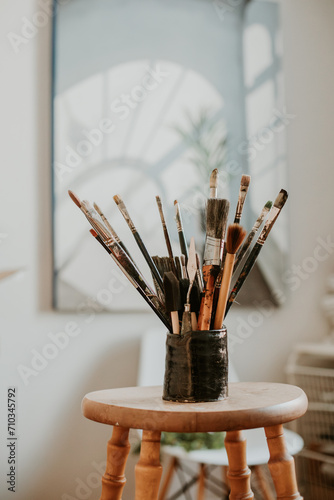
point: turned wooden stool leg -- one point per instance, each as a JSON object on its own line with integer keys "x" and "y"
{"x": 169, "y": 474}
{"x": 238, "y": 472}
{"x": 118, "y": 449}
{"x": 201, "y": 483}
{"x": 148, "y": 469}
{"x": 281, "y": 465}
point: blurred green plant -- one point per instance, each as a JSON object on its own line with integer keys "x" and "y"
{"x": 191, "y": 441}
{"x": 195, "y": 440}
{"x": 207, "y": 139}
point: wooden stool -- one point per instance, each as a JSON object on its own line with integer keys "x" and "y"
{"x": 249, "y": 405}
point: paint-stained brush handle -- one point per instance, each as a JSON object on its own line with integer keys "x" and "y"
{"x": 147, "y": 299}
{"x": 248, "y": 266}
{"x": 165, "y": 231}
{"x": 180, "y": 231}
{"x": 122, "y": 208}
{"x": 223, "y": 295}
{"x": 205, "y": 312}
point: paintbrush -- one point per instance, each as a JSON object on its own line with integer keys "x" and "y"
{"x": 243, "y": 249}
{"x": 184, "y": 266}
{"x": 188, "y": 323}
{"x": 123, "y": 259}
{"x": 235, "y": 236}
{"x": 172, "y": 299}
{"x": 180, "y": 232}
{"x": 178, "y": 267}
{"x": 273, "y": 214}
{"x": 244, "y": 185}
{"x": 108, "y": 226}
{"x": 165, "y": 230}
{"x": 164, "y": 265}
{"x": 217, "y": 211}
{"x": 122, "y": 208}
{"x": 214, "y": 178}
{"x": 87, "y": 209}
{"x": 133, "y": 282}
{"x": 192, "y": 273}
{"x": 199, "y": 274}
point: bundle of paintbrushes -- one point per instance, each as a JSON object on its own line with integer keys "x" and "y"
{"x": 188, "y": 296}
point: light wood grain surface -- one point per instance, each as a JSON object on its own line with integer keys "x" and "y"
{"x": 249, "y": 405}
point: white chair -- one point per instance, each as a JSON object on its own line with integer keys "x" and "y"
{"x": 151, "y": 372}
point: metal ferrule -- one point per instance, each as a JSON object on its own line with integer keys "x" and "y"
{"x": 98, "y": 226}
{"x": 178, "y": 222}
{"x": 268, "y": 225}
{"x": 107, "y": 224}
{"x": 213, "y": 192}
{"x": 213, "y": 251}
{"x": 126, "y": 216}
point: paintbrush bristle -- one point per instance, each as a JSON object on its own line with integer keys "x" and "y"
{"x": 172, "y": 292}
{"x": 281, "y": 199}
{"x": 93, "y": 232}
{"x": 216, "y": 217}
{"x": 235, "y": 236}
{"x": 86, "y": 205}
{"x": 268, "y": 205}
{"x": 245, "y": 180}
{"x": 117, "y": 199}
{"x": 74, "y": 198}
{"x": 98, "y": 209}
{"x": 214, "y": 177}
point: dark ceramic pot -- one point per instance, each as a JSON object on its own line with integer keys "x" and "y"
{"x": 196, "y": 368}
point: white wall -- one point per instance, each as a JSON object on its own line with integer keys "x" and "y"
{"x": 56, "y": 445}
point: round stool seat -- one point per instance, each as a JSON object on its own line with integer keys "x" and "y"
{"x": 249, "y": 405}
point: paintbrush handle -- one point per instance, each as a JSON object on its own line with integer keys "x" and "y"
{"x": 148, "y": 258}
{"x": 224, "y": 289}
{"x": 244, "y": 249}
{"x": 204, "y": 317}
{"x": 114, "y": 234}
{"x": 243, "y": 275}
{"x": 166, "y": 234}
{"x": 193, "y": 321}
{"x": 182, "y": 239}
{"x": 122, "y": 208}
{"x": 175, "y": 322}
{"x": 183, "y": 245}
{"x": 135, "y": 274}
{"x": 147, "y": 297}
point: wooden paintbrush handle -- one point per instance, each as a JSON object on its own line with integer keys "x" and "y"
{"x": 224, "y": 289}
{"x": 243, "y": 275}
{"x": 175, "y": 322}
{"x": 148, "y": 259}
{"x": 204, "y": 317}
{"x": 244, "y": 249}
